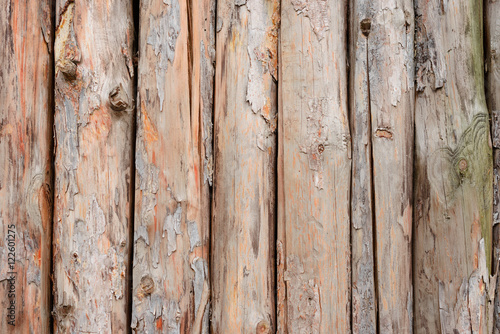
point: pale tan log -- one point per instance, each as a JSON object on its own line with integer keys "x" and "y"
{"x": 453, "y": 167}
{"x": 243, "y": 232}
{"x": 94, "y": 111}
{"x": 174, "y": 167}
{"x": 26, "y": 120}
{"x": 314, "y": 169}
{"x": 492, "y": 69}
{"x": 382, "y": 106}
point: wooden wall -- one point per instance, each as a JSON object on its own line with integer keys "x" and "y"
{"x": 250, "y": 166}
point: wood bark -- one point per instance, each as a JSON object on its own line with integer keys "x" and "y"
{"x": 314, "y": 169}
{"x": 25, "y": 165}
{"x": 453, "y": 166}
{"x": 243, "y": 232}
{"x": 174, "y": 167}
{"x": 93, "y": 124}
{"x": 492, "y": 69}
{"x": 382, "y": 105}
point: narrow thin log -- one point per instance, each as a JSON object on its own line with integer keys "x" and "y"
{"x": 492, "y": 64}
{"x": 314, "y": 177}
{"x": 93, "y": 123}
{"x": 382, "y": 105}
{"x": 26, "y": 121}
{"x": 174, "y": 166}
{"x": 453, "y": 167}
{"x": 243, "y": 231}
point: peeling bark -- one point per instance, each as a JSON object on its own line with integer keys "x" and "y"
{"x": 382, "y": 104}
{"x": 314, "y": 169}
{"x": 245, "y": 156}
{"x": 174, "y": 162}
{"x": 93, "y": 126}
{"x": 492, "y": 69}
{"x": 25, "y": 166}
{"x": 453, "y": 167}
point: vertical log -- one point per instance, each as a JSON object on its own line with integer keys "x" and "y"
{"x": 492, "y": 60}
{"x": 93, "y": 124}
{"x": 453, "y": 166}
{"x": 174, "y": 161}
{"x": 243, "y": 231}
{"x": 314, "y": 169}
{"x": 382, "y": 101}
{"x": 26, "y": 122}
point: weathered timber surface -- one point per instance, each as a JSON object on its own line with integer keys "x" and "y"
{"x": 314, "y": 169}
{"x": 492, "y": 67}
{"x": 453, "y": 167}
{"x": 174, "y": 167}
{"x": 243, "y": 233}
{"x": 94, "y": 111}
{"x": 382, "y": 105}
{"x": 25, "y": 165}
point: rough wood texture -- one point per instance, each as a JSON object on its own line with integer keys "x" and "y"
{"x": 382, "y": 104}
{"x": 243, "y": 232}
{"x": 492, "y": 67}
{"x": 453, "y": 166}
{"x": 25, "y": 165}
{"x": 174, "y": 167}
{"x": 314, "y": 169}
{"x": 93, "y": 123}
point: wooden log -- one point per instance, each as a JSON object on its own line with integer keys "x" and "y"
{"x": 453, "y": 167}
{"x": 382, "y": 105}
{"x": 26, "y": 121}
{"x": 174, "y": 167}
{"x": 243, "y": 231}
{"x": 93, "y": 123}
{"x": 492, "y": 69}
{"x": 314, "y": 175}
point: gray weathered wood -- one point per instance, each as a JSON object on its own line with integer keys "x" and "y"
{"x": 26, "y": 120}
{"x": 243, "y": 232}
{"x": 93, "y": 123}
{"x": 382, "y": 105}
{"x": 174, "y": 167}
{"x": 453, "y": 167}
{"x": 314, "y": 169}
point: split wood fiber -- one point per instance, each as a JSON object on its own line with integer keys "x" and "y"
{"x": 382, "y": 106}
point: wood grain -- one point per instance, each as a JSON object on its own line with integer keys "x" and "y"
{"x": 94, "y": 111}
{"x": 453, "y": 167}
{"x": 382, "y": 106}
{"x": 174, "y": 167}
{"x": 26, "y": 187}
{"x": 314, "y": 169}
{"x": 243, "y": 231}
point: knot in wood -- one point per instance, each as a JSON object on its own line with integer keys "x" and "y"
{"x": 366, "y": 26}
{"x": 68, "y": 68}
{"x": 263, "y": 327}
{"x": 118, "y": 99}
{"x": 147, "y": 285}
{"x": 462, "y": 165}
